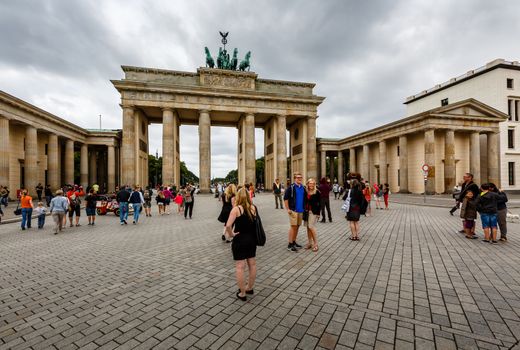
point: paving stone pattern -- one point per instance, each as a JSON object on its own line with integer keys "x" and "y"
{"x": 411, "y": 282}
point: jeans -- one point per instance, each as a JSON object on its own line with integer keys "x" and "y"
{"x": 488, "y": 220}
{"x": 48, "y": 200}
{"x": 123, "y": 211}
{"x": 188, "y": 208}
{"x": 502, "y": 222}
{"x": 325, "y": 204}
{"x": 58, "y": 216}
{"x": 278, "y": 198}
{"x": 3, "y": 201}
{"x": 41, "y": 220}
{"x": 26, "y": 217}
{"x": 137, "y": 211}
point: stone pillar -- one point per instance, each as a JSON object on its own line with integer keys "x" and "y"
{"x": 312, "y": 162}
{"x": 84, "y": 166}
{"x": 331, "y": 168}
{"x": 403, "y": 164}
{"x": 340, "y": 167}
{"x": 383, "y": 168}
{"x": 365, "y": 166}
{"x": 4, "y": 152}
{"x": 352, "y": 160}
{"x": 493, "y": 158}
{"x": 93, "y": 167}
{"x": 323, "y": 162}
{"x": 53, "y": 159}
{"x": 128, "y": 148}
{"x": 249, "y": 133}
{"x": 281, "y": 148}
{"x": 474, "y": 156}
{"x": 449, "y": 161}
{"x": 69, "y": 162}
{"x": 31, "y": 159}
{"x": 111, "y": 173}
{"x": 168, "y": 148}
{"x": 429, "y": 158}
{"x": 204, "y": 151}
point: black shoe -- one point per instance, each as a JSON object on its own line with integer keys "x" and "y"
{"x": 126, "y": 223}
{"x": 244, "y": 298}
{"x": 223, "y": 237}
{"x": 462, "y": 231}
{"x": 330, "y": 220}
{"x": 323, "y": 221}
{"x": 289, "y": 246}
{"x": 503, "y": 239}
{"x": 494, "y": 242}
{"x": 451, "y": 213}
{"x": 250, "y": 292}
{"x": 23, "y": 228}
{"x": 485, "y": 240}
{"x": 296, "y": 245}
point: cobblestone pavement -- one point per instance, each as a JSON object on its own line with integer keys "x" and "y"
{"x": 411, "y": 282}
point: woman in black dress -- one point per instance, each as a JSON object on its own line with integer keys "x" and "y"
{"x": 244, "y": 241}
{"x": 354, "y": 211}
{"x": 228, "y": 202}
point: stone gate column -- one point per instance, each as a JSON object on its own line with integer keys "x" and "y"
{"x": 323, "y": 162}
{"x": 111, "y": 172}
{"x": 403, "y": 164}
{"x": 429, "y": 158}
{"x": 474, "y": 156}
{"x": 340, "y": 167}
{"x": 249, "y": 133}
{"x": 69, "y": 162}
{"x": 204, "y": 151}
{"x": 312, "y": 163}
{"x": 493, "y": 158}
{"x": 31, "y": 159}
{"x": 168, "y": 147}
{"x": 4, "y": 151}
{"x": 331, "y": 168}
{"x": 352, "y": 160}
{"x": 281, "y": 145}
{"x": 383, "y": 169}
{"x": 84, "y": 166}
{"x": 449, "y": 161}
{"x": 366, "y": 163}
{"x": 93, "y": 167}
{"x": 128, "y": 148}
{"x": 53, "y": 159}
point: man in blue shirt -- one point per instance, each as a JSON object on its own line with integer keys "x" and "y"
{"x": 295, "y": 199}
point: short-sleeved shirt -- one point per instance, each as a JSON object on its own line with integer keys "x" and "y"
{"x": 298, "y": 200}
{"x": 25, "y": 202}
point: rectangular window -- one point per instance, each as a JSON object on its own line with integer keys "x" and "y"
{"x": 516, "y": 110}
{"x": 510, "y": 109}
{"x": 398, "y": 151}
{"x": 510, "y": 138}
{"x": 46, "y": 149}
{"x": 509, "y": 83}
{"x": 398, "y": 177}
{"x": 444, "y": 102}
{"x": 511, "y": 173}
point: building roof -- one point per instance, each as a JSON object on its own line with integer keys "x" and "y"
{"x": 495, "y": 64}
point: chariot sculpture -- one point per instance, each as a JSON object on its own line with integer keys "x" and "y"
{"x": 223, "y": 59}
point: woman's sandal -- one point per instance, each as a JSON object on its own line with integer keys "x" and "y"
{"x": 315, "y": 248}
{"x": 308, "y": 246}
{"x": 244, "y": 298}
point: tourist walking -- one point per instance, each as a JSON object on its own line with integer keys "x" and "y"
{"x": 122, "y": 198}
{"x": 277, "y": 191}
{"x": 386, "y": 194}
{"x": 228, "y": 202}
{"x": 242, "y": 228}
{"x": 468, "y": 185}
{"x": 354, "y": 197}
{"x": 39, "y": 191}
{"x": 295, "y": 199}
{"x": 160, "y": 201}
{"x": 59, "y": 206}
{"x": 367, "y": 193}
{"x": 48, "y": 194}
{"x": 179, "y": 200}
{"x": 167, "y": 199}
{"x": 26, "y": 204}
{"x": 40, "y": 211}
{"x": 312, "y": 214}
{"x": 335, "y": 190}
{"x": 487, "y": 206}
{"x": 147, "y": 195}
{"x": 188, "y": 201}
{"x": 378, "y": 194}
{"x": 468, "y": 212}
{"x": 90, "y": 207}
{"x": 501, "y": 211}
{"x": 73, "y": 196}
{"x": 324, "y": 190}
{"x": 137, "y": 200}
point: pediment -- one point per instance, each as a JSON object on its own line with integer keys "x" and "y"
{"x": 470, "y": 108}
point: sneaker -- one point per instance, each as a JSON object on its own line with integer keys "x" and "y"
{"x": 503, "y": 239}
{"x": 485, "y": 240}
{"x": 494, "y": 242}
{"x": 289, "y": 246}
{"x": 133, "y": 222}
{"x": 122, "y": 223}
{"x": 126, "y": 223}
{"x": 297, "y": 246}
{"x": 93, "y": 223}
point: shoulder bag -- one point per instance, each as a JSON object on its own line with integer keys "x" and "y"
{"x": 18, "y": 210}
{"x": 346, "y": 204}
{"x": 260, "y": 233}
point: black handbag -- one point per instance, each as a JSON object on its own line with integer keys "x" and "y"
{"x": 18, "y": 210}
{"x": 260, "y": 233}
{"x": 305, "y": 216}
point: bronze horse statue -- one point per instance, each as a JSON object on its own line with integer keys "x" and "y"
{"x": 220, "y": 60}
{"x": 209, "y": 60}
{"x": 234, "y": 61}
{"x": 245, "y": 62}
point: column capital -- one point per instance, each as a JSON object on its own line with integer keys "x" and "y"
{"x": 204, "y": 111}
{"x": 165, "y": 109}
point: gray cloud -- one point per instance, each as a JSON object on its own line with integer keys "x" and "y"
{"x": 365, "y": 57}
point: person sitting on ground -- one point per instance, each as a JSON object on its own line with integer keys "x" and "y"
{"x": 487, "y": 206}
{"x": 468, "y": 212}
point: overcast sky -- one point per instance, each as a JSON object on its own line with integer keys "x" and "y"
{"x": 365, "y": 57}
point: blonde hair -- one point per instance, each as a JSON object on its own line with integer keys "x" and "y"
{"x": 315, "y": 189}
{"x": 40, "y": 204}
{"x": 244, "y": 200}
{"x": 231, "y": 190}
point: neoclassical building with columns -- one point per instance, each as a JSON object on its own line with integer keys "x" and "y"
{"x": 448, "y": 139}
{"x": 38, "y": 147}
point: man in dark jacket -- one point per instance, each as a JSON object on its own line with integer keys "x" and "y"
{"x": 468, "y": 186}
{"x": 325, "y": 189}
{"x": 295, "y": 199}
{"x": 501, "y": 211}
{"x": 122, "y": 198}
{"x": 277, "y": 191}
{"x": 487, "y": 206}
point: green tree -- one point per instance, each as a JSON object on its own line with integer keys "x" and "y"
{"x": 154, "y": 169}
{"x": 187, "y": 175}
{"x": 232, "y": 177}
{"x": 260, "y": 170}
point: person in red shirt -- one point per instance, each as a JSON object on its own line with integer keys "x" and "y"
{"x": 73, "y": 195}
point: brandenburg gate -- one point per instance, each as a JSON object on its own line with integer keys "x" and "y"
{"x": 219, "y": 97}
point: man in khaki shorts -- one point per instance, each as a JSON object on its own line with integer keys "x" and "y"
{"x": 295, "y": 199}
